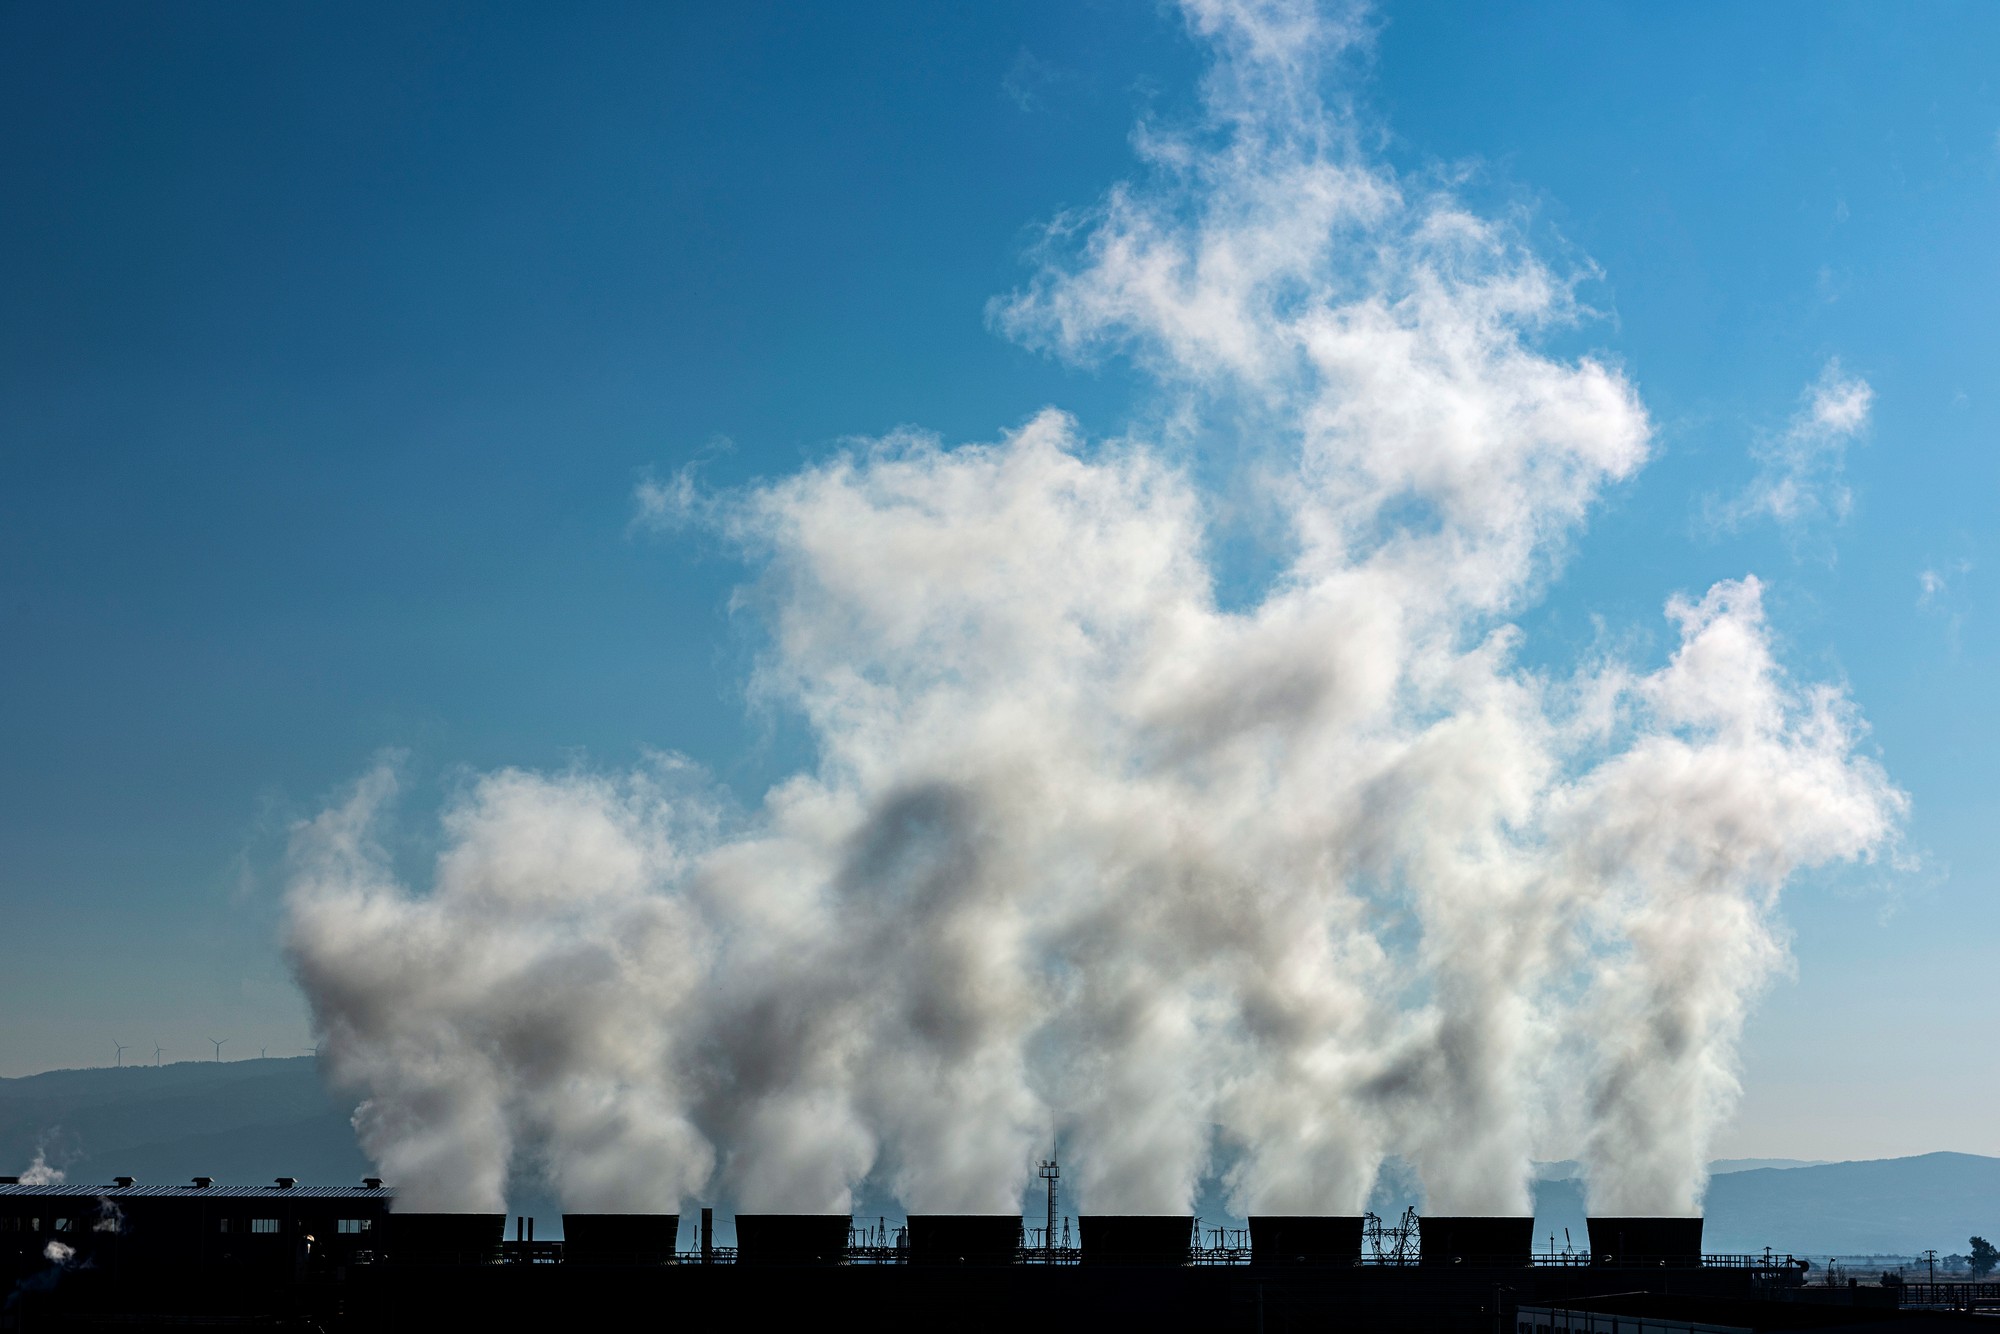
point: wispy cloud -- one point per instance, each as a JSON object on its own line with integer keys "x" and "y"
{"x": 664, "y": 504}
{"x": 1938, "y": 595}
{"x": 1801, "y": 471}
{"x": 1029, "y": 80}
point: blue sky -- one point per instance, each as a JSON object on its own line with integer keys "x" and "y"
{"x": 334, "y": 344}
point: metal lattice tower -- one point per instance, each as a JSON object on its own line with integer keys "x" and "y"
{"x": 1051, "y": 1173}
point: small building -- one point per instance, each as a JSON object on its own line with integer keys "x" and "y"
{"x": 279, "y": 1231}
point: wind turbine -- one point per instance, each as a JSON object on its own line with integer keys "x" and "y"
{"x": 263, "y": 1053}
{"x": 121, "y": 1046}
{"x": 158, "y": 1051}
{"x": 218, "y": 1047}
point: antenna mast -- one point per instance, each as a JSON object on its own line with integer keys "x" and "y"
{"x": 1051, "y": 1172}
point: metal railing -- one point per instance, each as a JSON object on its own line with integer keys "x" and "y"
{"x": 720, "y": 1255}
{"x": 531, "y": 1252}
{"x": 1228, "y": 1254}
{"x": 1967, "y": 1295}
{"x": 1220, "y": 1247}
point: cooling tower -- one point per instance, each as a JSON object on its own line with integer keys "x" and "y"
{"x": 1137, "y": 1239}
{"x": 792, "y": 1239}
{"x": 1445, "y": 1240}
{"x": 1304, "y": 1239}
{"x": 965, "y": 1239}
{"x": 446, "y": 1239}
{"x": 1645, "y": 1241}
{"x": 620, "y": 1239}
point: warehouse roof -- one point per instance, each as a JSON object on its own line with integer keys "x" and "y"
{"x": 15, "y": 1190}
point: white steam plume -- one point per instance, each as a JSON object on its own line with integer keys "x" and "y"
{"x": 1758, "y": 780}
{"x": 523, "y": 998}
{"x": 1084, "y": 849}
{"x": 41, "y": 1172}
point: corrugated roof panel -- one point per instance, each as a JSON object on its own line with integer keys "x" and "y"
{"x": 67, "y": 1191}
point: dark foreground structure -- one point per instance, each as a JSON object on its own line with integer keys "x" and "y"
{"x": 287, "y": 1256}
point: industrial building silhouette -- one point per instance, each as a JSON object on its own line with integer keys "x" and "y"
{"x": 287, "y": 1255}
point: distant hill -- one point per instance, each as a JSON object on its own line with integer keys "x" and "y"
{"x": 237, "y": 1121}
{"x": 1890, "y": 1205}
{"x": 1568, "y": 1168}
{"x": 1724, "y": 1166}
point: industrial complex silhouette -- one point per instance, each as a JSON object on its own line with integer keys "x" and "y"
{"x": 287, "y": 1255}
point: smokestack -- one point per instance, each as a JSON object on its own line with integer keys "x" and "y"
{"x": 1305, "y": 1239}
{"x": 620, "y": 1239}
{"x": 707, "y": 1236}
{"x": 965, "y": 1239}
{"x": 1645, "y": 1241}
{"x": 1137, "y": 1239}
{"x": 792, "y": 1239}
{"x": 1485, "y": 1242}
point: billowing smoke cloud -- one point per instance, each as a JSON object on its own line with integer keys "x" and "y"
{"x": 1087, "y": 848}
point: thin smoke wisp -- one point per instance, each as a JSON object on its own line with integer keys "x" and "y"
{"x": 1089, "y": 849}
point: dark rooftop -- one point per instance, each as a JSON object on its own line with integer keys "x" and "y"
{"x": 116, "y": 1192}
